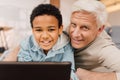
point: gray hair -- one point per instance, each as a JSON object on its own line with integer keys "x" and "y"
{"x": 93, "y": 6}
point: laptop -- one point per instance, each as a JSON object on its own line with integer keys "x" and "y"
{"x": 35, "y": 70}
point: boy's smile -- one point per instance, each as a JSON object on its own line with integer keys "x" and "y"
{"x": 45, "y": 43}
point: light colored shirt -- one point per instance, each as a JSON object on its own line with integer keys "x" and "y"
{"x": 101, "y": 55}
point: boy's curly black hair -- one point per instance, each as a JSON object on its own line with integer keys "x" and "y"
{"x": 46, "y": 9}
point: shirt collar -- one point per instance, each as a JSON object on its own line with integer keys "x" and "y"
{"x": 35, "y": 46}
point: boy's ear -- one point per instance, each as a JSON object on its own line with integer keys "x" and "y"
{"x": 32, "y": 30}
{"x": 60, "y": 29}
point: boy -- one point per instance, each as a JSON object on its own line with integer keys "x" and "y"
{"x": 47, "y": 43}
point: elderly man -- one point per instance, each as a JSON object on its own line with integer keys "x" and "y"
{"x": 93, "y": 47}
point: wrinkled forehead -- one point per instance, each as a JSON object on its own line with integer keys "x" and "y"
{"x": 84, "y": 15}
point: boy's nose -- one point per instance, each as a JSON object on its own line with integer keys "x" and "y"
{"x": 45, "y": 35}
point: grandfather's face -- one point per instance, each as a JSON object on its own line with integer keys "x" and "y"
{"x": 83, "y": 29}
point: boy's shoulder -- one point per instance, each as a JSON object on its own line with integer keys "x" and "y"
{"x": 27, "y": 42}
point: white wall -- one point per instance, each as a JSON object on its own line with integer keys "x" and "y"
{"x": 65, "y": 7}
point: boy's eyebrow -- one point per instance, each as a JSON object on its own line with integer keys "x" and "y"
{"x": 37, "y": 27}
{"x": 48, "y": 27}
{"x": 51, "y": 26}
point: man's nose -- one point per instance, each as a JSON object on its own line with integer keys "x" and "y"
{"x": 76, "y": 32}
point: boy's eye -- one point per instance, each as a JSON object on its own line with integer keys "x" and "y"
{"x": 51, "y": 30}
{"x": 38, "y": 29}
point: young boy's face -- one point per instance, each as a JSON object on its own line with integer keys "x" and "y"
{"x": 46, "y": 31}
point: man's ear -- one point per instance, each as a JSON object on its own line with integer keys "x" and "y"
{"x": 60, "y": 29}
{"x": 101, "y": 29}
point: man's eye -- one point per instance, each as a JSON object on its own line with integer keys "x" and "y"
{"x": 73, "y": 25}
{"x": 85, "y": 27}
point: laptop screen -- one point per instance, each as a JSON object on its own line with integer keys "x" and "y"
{"x": 35, "y": 70}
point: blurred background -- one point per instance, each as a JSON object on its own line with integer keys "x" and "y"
{"x": 15, "y": 14}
